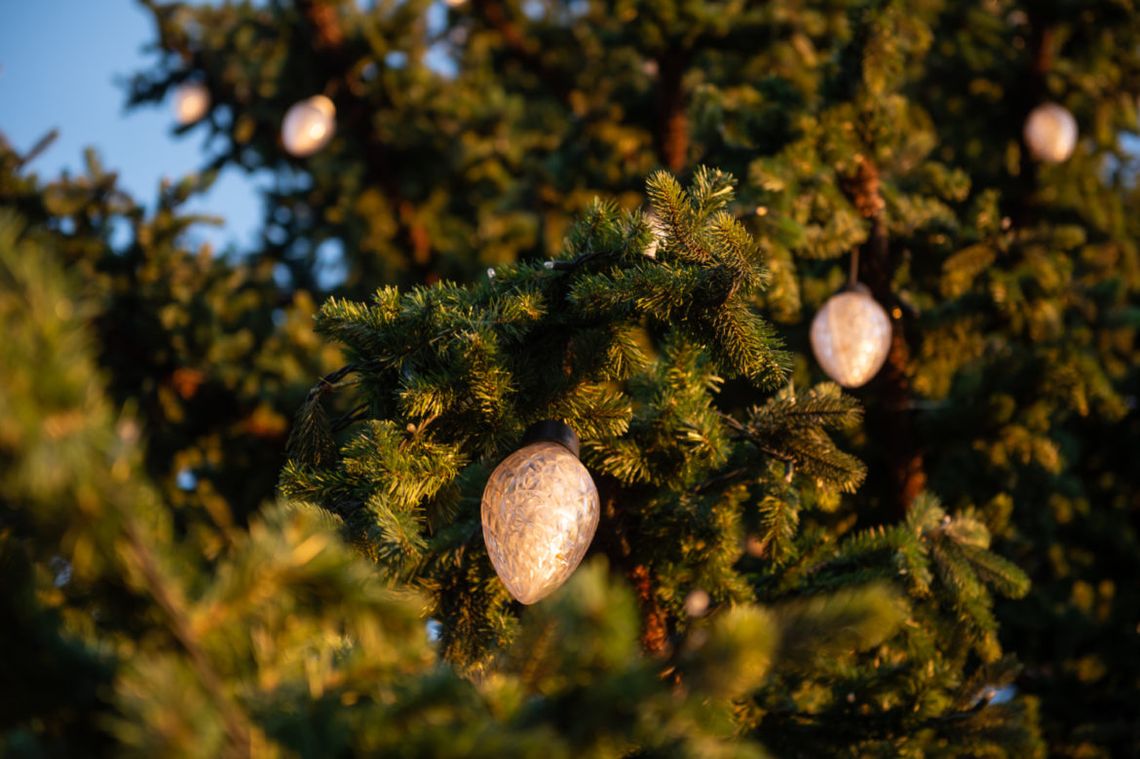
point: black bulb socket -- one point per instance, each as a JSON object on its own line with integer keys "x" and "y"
{"x": 551, "y": 431}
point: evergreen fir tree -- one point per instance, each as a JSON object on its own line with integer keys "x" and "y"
{"x": 775, "y": 570}
{"x": 211, "y": 353}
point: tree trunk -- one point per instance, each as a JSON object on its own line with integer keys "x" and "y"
{"x": 889, "y": 420}
{"x": 672, "y": 121}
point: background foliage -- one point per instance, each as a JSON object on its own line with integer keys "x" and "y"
{"x": 848, "y": 610}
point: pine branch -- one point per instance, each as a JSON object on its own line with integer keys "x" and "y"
{"x": 778, "y": 522}
{"x": 42, "y": 144}
{"x": 676, "y": 215}
{"x": 790, "y": 429}
{"x": 237, "y": 724}
{"x": 836, "y": 625}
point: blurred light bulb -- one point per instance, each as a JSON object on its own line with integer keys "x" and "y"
{"x": 1050, "y": 133}
{"x": 851, "y": 336}
{"x": 191, "y": 103}
{"x": 540, "y": 512}
{"x": 658, "y": 232}
{"x": 697, "y": 603}
{"x": 308, "y": 126}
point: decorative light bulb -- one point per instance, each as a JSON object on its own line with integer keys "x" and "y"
{"x": 1050, "y": 133}
{"x": 697, "y": 603}
{"x": 191, "y": 103}
{"x": 851, "y": 336}
{"x": 308, "y": 126}
{"x": 658, "y": 233}
{"x": 540, "y": 512}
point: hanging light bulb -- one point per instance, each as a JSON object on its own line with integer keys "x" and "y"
{"x": 540, "y": 512}
{"x": 1050, "y": 133}
{"x": 658, "y": 232}
{"x": 851, "y": 336}
{"x": 191, "y": 103}
{"x": 308, "y": 125}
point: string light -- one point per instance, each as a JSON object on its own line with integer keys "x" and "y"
{"x": 308, "y": 126}
{"x": 1050, "y": 133}
{"x": 540, "y": 512}
{"x": 191, "y": 103}
{"x": 851, "y": 336}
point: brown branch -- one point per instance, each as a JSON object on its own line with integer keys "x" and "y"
{"x": 655, "y": 633}
{"x": 41, "y": 145}
{"x": 890, "y": 420}
{"x": 1042, "y": 50}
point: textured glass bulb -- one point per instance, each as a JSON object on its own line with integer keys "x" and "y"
{"x": 540, "y": 512}
{"x": 1051, "y": 133}
{"x": 658, "y": 232}
{"x": 308, "y": 125}
{"x": 191, "y": 102}
{"x": 850, "y": 337}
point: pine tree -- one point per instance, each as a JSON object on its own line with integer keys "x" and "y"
{"x": 213, "y": 355}
{"x": 774, "y": 570}
{"x": 633, "y": 352}
{"x": 885, "y": 128}
{"x": 228, "y": 640}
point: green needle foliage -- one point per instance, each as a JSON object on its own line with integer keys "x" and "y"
{"x": 939, "y": 563}
{"x": 278, "y": 638}
{"x": 213, "y": 356}
{"x": 699, "y": 508}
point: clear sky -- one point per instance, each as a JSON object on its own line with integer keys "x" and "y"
{"x": 64, "y": 64}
